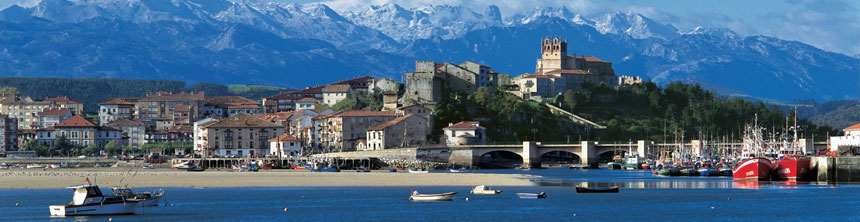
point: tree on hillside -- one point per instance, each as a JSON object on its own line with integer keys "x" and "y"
{"x": 8, "y": 90}
{"x": 345, "y": 104}
{"x": 569, "y": 99}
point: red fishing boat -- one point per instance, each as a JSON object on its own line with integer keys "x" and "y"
{"x": 792, "y": 167}
{"x": 755, "y": 168}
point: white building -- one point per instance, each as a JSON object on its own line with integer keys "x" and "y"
{"x": 200, "y": 133}
{"x": 332, "y": 94}
{"x": 850, "y": 139}
{"x": 289, "y": 146}
{"x": 465, "y": 133}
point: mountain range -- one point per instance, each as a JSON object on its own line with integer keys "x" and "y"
{"x": 295, "y": 45}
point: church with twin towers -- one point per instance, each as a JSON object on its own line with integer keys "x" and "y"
{"x": 557, "y": 71}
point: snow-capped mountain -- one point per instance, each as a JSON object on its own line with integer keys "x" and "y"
{"x": 256, "y": 41}
{"x": 446, "y": 22}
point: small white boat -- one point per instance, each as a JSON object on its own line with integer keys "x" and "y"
{"x": 53, "y": 165}
{"x": 418, "y": 171}
{"x": 4, "y": 166}
{"x": 89, "y": 200}
{"x": 462, "y": 170}
{"x": 182, "y": 166}
{"x": 540, "y": 195}
{"x": 449, "y": 196}
{"x": 146, "y": 199}
{"x": 485, "y": 190}
{"x": 30, "y": 166}
{"x": 148, "y": 166}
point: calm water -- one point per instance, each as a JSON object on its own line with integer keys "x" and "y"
{"x": 644, "y": 198}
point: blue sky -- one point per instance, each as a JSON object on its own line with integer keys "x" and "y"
{"x": 832, "y": 25}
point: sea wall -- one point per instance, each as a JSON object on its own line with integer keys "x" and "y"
{"x": 837, "y": 169}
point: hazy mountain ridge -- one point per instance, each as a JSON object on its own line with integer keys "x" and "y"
{"x": 297, "y": 45}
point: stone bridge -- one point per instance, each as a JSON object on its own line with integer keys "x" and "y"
{"x": 531, "y": 152}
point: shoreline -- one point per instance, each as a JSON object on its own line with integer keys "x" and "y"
{"x": 109, "y": 177}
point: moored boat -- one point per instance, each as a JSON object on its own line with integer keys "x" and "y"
{"x": 146, "y": 198}
{"x": 540, "y": 195}
{"x": 449, "y": 196}
{"x": 755, "y": 168}
{"x": 613, "y": 166}
{"x": 707, "y": 171}
{"x": 612, "y": 189}
{"x": 461, "y": 170}
{"x": 318, "y": 170}
{"x": 689, "y": 172}
{"x": 89, "y": 200}
{"x": 484, "y": 190}
{"x": 418, "y": 171}
{"x": 31, "y": 166}
{"x": 792, "y": 167}
{"x": 669, "y": 171}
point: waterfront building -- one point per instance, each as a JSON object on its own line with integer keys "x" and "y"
{"x": 80, "y": 132}
{"x": 465, "y": 133}
{"x": 224, "y": 106}
{"x": 849, "y": 139}
{"x": 53, "y": 116}
{"x": 171, "y": 134}
{"x": 241, "y": 134}
{"x": 200, "y": 134}
{"x": 332, "y": 94}
{"x": 408, "y": 130}
{"x": 172, "y": 108}
{"x": 340, "y": 131}
{"x": 8, "y": 133}
{"x": 117, "y": 108}
{"x": 289, "y": 146}
{"x": 133, "y": 131}
{"x": 26, "y": 110}
{"x": 77, "y": 107}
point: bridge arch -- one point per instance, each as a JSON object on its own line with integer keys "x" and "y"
{"x": 499, "y": 159}
{"x": 560, "y": 155}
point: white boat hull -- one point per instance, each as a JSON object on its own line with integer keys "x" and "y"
{"x": 433, "y": 197}
{"x": 94, "y": 209}
{"x": 419, "y": 171}
{"x": 152, "y": 202}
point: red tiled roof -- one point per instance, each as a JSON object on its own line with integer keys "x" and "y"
{"x": 76, "y": 121}
{"x": 336, "y": 88}
{"x": 569, "y": 71}
{"x": 466, "y": 125}
{"x": 229, "y": 100}
{"x": 62, "y": 100}
{"x": 587, "y": 58}
{"x": 116, "y": 101}
{"x": 54, "y": 112}
{"x": 164, "y": 96}
{"x": 242, "y": 106}
{"x": 384, "y": 125}
{"x": 536, "y": 76}
{"x": 284, "y": 138}
{"x": 351, "y": 113}
{"x": 853, "y": 127}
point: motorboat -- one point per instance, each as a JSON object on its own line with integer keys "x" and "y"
{"x": 146, "y": 198}
{"x": 418, "y": 171}
{"x": 707, "y": 171}
{"x": 613, "y": 166}
{"x": 461, "y": 170}
{"x": 792, "y": 167}
{"x": 4, "y": 166}
{"x": 540, "y": 195}
{"x": 182, "y": 166}
{"x": 89, "y": 200}
{"x": 31, "y": 166}
{"x": 148, "y": 166}
{"x": 54, "y": 165}
{"x": 326, "y": 169}
{"x": 755, "y": 168}
{"x": 449, "y": 196}
{"x": 485, "y": 190}
{"x": 612, "y": 189}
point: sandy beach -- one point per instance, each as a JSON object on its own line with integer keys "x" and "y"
{"x": 60, "y": 178}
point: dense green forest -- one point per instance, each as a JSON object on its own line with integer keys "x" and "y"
{"x": 92, "y": 91}
{"x": 643, "y": 111}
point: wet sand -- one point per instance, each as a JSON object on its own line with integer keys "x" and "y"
{"x": 106, "y": 177}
